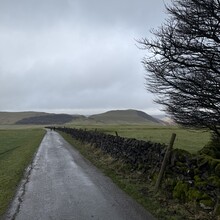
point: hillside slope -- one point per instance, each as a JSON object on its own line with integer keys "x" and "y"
{"x": 110, "y": 117}
{"x": 46, "y": 119}
{"x": 124, "y": 116}
{"x": 9, "y": 118}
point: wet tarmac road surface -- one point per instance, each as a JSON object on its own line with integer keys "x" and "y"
{"x": 61, "y": 185}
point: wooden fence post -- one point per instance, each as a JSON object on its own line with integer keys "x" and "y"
{"x": 165, "y": 160}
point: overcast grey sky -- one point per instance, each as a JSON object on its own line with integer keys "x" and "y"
{"x": 75, "y": 56}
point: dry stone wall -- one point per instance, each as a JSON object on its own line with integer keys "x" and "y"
{"x": 188, "y": 177}
{"x": 140, "y": 154}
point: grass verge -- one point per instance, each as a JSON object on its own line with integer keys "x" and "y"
{"x": 17, "y": 148}
{"x": 133, "y": 183}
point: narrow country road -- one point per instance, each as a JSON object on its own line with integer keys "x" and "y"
{"x": 62, "y": 185}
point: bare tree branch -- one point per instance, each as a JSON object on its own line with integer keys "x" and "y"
{"x": 183, "y": 65}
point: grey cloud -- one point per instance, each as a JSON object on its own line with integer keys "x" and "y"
{"x": 74, "y": 54}
{"x": 48, "y": 13}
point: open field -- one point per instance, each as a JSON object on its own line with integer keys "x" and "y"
{"x": 190, "y": 140}
{"x": 17, "y": 148}
{"x": 20, "y": 127}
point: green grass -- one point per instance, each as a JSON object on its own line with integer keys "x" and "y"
{"x": 17, "y": 148}
{"x": 190, "y": 140}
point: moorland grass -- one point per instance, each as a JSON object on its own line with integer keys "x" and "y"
{"x": 187, "y": 139}
{"x": 17, "y": 148}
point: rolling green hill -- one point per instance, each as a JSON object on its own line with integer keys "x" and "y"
{"x": 124, "y": 117}
{"x": 46, "y": 119}
{"x": 10, "y": 118}
{"x": 36, "y": 118}
{"x": 110, "y": 117}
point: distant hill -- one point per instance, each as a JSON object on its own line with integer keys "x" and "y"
{"x": 168, "y": 121}
{"x": 165, "y": 119}
{"x": 110, "y": 117}
{"x": 9, "y": 118}
{"x": 36, "y": 118}
{"x": 124, "y": 117}
{"x": 46, "y": 119}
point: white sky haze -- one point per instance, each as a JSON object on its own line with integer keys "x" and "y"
{"x": 75, "y": 56}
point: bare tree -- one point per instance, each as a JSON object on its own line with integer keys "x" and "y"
{"x": 183, "y": 63}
